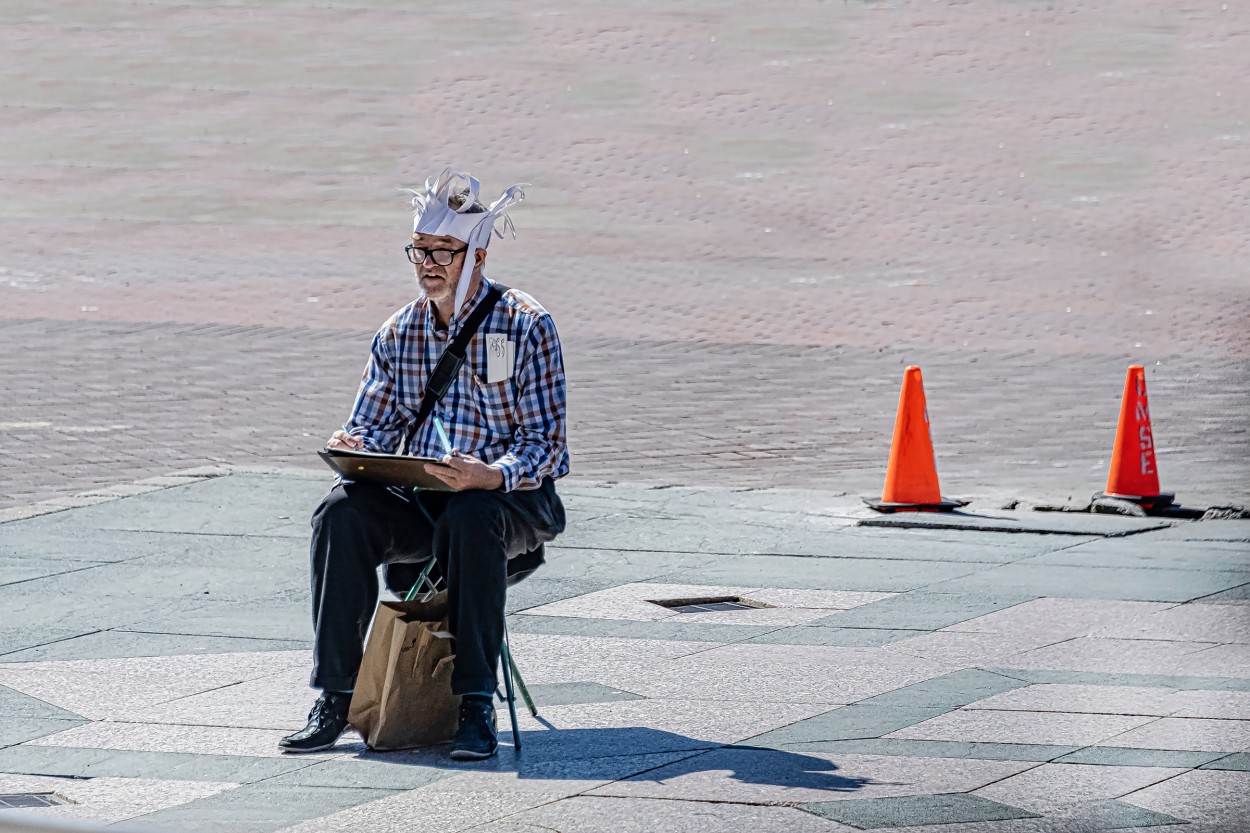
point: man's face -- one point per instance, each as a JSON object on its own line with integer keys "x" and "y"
{"x": 439, "y": 282}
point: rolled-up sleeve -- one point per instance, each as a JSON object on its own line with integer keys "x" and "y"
{"x": 375, "y": 418}
{"x": 539, "y": 446}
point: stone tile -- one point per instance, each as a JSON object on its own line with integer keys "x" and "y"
{"x": 277, "y": 701}
{"x": 777, "y": 673}
{"x": 635, "y": 602}
{"x": 1216, "y": 704}
{"x": 261, "y": 806}
{"x": 745, "y": 775}
{"x": 971, "y": 649}
{"x": 13, "y": 639}
{"x": 21, "y": 729}
{"x": 631, "y": 601}
{"x": 949, "y": 691}
{"x": 1132, "y": 656}
{"x": 924, "y": 610}
{"x": 1053, "y": 785}
{"x": 846, "y": 723}
{"x": 1192, "y": 622}
{"x": 1022, "y": 727}
{"x": 871, "y": 814}
{"x": 674, "y": 629}
{"x": 878, "y": 575}
{"x": 820, "y": 635}
{"x": 547, "y": 658}
{"x": 1239, "y": 762}
{"x": 1086, "y": 699}
{"x": 147, "y": 737}
{"x": 1061, "y": 618}
{"x": 1119, "y": 756}
{"x": 110, "y": 799}
{"x": 1219, "y": 661}
{"x": 107, "y": 763}
{"x": 1113, "y": 583}
{"x": 1151, "y": 551}
{"x": 1054, "y": 676}
{"x": 937, "y": 749}
{"x": 471, "y": 798}
{"x": 567, "y": 694}
{"x": 648, "y": 726}
{"x": 115, "y": 644}
{"x": 1210, "y": 796}
{"x": 99, "y": 688}
{"x": 1187, "y": 733}
{"x": 282, "y": 615}
{"x": 1109, "y": 814}
{"x": 14, "y": 703}
{"x": 603, "y": 814}
{"x": 1237, "y": 532}
{"x": 381, "y": 772}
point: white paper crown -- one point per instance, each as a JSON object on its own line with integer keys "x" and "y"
{"x": 434, "y": 215}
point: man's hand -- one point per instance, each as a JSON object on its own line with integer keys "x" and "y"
{"x": 342, "y": 440}
{"x": 461, "y": 473}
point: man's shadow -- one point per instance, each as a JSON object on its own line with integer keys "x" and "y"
{"x": 633, "y": 753}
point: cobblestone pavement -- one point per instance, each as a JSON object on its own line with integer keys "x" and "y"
{"x": 1024, "y": 673}
{"x": 747, "y": 218}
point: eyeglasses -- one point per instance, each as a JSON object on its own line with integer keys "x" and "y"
{"x": 442, "y": 257}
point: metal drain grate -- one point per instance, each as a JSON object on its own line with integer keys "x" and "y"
{"x": 14, "y": 801}
{"x": 714, "y": 604}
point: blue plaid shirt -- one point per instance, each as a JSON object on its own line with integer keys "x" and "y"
{"x": 516, "y": 425}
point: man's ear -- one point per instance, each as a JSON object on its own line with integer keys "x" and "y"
{"x": 479, "y": 257}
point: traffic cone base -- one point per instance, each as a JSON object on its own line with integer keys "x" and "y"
{"x": 911, "y": 481}
{"x": 944, "y": 505}
{"x": 1159, "y": 501}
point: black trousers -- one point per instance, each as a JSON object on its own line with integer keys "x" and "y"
{"x": 476, "y": 537}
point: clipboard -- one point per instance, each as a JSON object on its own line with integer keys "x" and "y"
{"x": 389, "y": 469}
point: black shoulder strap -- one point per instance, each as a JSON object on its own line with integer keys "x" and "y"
{"x": 451, "y": 360}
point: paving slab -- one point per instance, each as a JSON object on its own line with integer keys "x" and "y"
{"x": 107, "y": 800}
{"x": 899, "y": 747}
{"x": 1210, "y": 796}
{"x": 1084, "y": 699}
{"x": 261, "y": 806}
{"x": 673, "y": 630}
{"x": 1045, "y": 523}
{"x": 846, "y": 723}
{"x": 1023, "y": 727}
{"x": 1187, "y": 733}
{"x": 857, "y": 574}
{"x": 1239, "y": 762}
{"x": 1053, "y": 785}
{"x": 1151, "y": 550}
{"x": 1108, "y": 755}
{"x": 770, "y": 776}
{"x": 71, "y": 762}
{"x": 605, "y": 814}
{"x": 14, "y": 730}
{"x": 871, "y": 814}
{"x": 1118, "y": 583}
{"x": 119, "y": 644}
{"x": 1194, "y": 622}
{"x": 947, "y": 692}
{"x": 822, "y": 635}
{"x": 924, "y": 610}
{"x": 1062, "y": 618}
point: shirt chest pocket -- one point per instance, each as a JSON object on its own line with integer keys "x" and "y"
{"x": 494, "y": 405}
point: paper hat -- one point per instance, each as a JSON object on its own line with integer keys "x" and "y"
{"x": 434, "y": 215}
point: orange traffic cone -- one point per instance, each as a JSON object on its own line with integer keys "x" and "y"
{"x": 1134, "y": 475}
{"x": 911, "y": 481}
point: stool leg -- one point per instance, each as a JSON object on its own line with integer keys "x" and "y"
{"x": 511, "y": 695}
{"x": 412, "y": 594}
{"x": 520, "y": 682}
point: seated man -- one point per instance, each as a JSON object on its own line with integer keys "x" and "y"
{"x": 504, "y": 417}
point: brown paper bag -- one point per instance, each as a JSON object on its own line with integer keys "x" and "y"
{"x": 403, "y": 690}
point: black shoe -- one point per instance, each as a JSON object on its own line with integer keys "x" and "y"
{"x": 476, "y": 737}
{"x": 326, "y": 722}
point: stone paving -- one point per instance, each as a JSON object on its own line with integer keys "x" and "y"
{"x": 1028, "y": 672}
{"x": 746, "y": 217}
